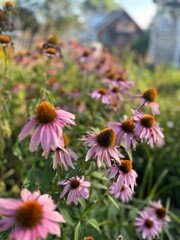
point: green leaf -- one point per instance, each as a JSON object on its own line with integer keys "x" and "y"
{"x": 113, "y": 201}
{"x": 174, "y": 217}
{"x": 93, "y": 222}
{"x": 47, "y": 177}
{"x": 29, "y": 181}
{"x": 82, "y": 202}
{"x": 77, "y": 231}
{"x": 88, "y": 208}
{"x": 4, "y": 235}
{"x": 145, "y": 178}
{"x": 98, "y": 175}
{"x": 67, "y": 217}
{"x": 50, "y": 237}
{"x": 170, "y": 237}
{"x": 156, "y": 185}
{"x": 99, "y": 185}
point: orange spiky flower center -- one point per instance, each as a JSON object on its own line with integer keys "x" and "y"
{"x": 8, "y": 4}
{"x": 53, "y": 40}
{"x": 89, "y": 238}
{"x": 115, "y": 90}
{"x": 5, "y": 39}
{"x": 120, "y": 77}
{"x": 149, "y": 223}
{"x": 148, "y": 121}
{"x": 45, "y": 113}
{"x": 29, "y": 214}
{"x": 127, "y": 126}
{"x": 66, "y": 140}
{"x": 106, "y": 138}
{"x": 103, "y": 59}
{"x": 102, "y": 91}
{"x": 75, "y": 183}
{"x": 111, "y": 75}
{"x": 150, "y": 95}
{"x": 126, "y": 166}
{"x": 51, "y": 51}
{"x": 161, "y": 212}
{"x": 86, "y": 53}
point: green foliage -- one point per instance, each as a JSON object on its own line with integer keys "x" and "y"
{"x": 105, "y": 5}
{"x": 101, "y": 216}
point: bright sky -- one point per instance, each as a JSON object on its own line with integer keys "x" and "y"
{"x": 142, "y": 11}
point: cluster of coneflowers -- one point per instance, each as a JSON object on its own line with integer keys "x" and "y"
{"x": 34, "y": 215}
{"x": 151, "y": 220}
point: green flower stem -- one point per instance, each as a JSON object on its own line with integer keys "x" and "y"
{"x": 2, "y": 97}
{"x": 45, "y": 77}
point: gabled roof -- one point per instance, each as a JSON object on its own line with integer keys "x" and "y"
{"x": 110, "y": 18}
{"x": 173, "y": 3}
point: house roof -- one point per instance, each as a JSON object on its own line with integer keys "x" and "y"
{"x": 110, "y": 18}
{"x": 173, "y": 3}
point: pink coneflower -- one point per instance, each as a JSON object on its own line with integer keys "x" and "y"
{"x": 110, "y": 77}
{"x": 149, "y": 97}
{"x": 63, "y": 157}
{"x": 102, "y": 94}
{"x": 114, "y": 104}
{"x": 126, "y": 175}
{"x": 125, "y": 130}
{"x": 147, "y": 225}
{"x": 85, "y": 56}
{"x": 115, "y": 93}
{"x": 125, "y": 193}
{"x": 50, "y": 52}
{"x": 33, "y": 215}
{"x": 102, "y": 146}
{"x": 159, "y": 212}
{"x": 49, "y": 122}
{"x": 147, "y": 129}
{"x": 119, "y": 81}
{"x": 77, "y": 188}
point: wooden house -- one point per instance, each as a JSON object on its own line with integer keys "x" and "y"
{"x": 117, "y": 30}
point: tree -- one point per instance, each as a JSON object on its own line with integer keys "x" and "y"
{"x": 105, "y": 5}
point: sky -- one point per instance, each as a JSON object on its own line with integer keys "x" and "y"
{"x": 142, "y": 11}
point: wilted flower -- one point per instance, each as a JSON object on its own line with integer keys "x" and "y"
{"x": 126, "y": 175}
{"x": 147, "y": 129}
{"x": 119, "y": 81}
{"x": 77, "y": 188}
{"x": 63, "y": 156}
{"x": 147, "y": 225}
{"x": 125, "y": 130}
{"x": 124, "y": 193}
{"x": 149, "y": 97}
{"x": 33, "y": 215}
{"x": 102, "y": 94}
{"x": 49, "y": 122}
{"x": 102, "y": 146}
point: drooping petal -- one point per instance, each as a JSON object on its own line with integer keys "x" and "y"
{"x": 27, "y": 129}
